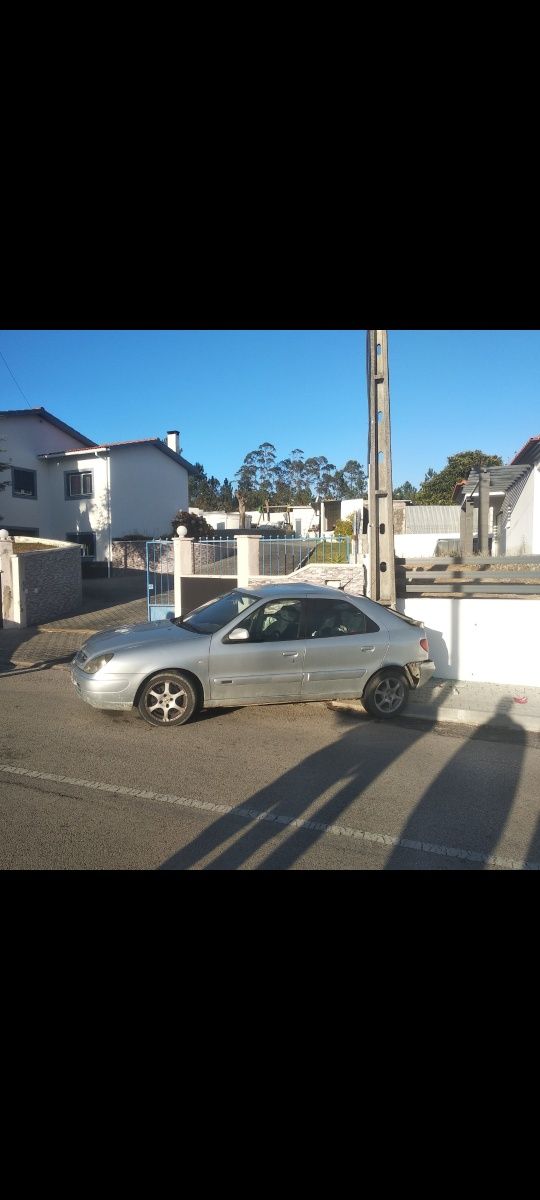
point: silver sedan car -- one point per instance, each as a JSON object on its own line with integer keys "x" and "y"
{"x": 274, "y": 645}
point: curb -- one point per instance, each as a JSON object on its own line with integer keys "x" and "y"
{"x": 455, "y": 716}
{"x": 474, "y": 716}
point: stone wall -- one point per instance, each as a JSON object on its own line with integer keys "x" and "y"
{"x": 47, "y": 584}
{"x": 129, "y": 555}
{"x": 207, "y": 554}
{"x": 351, "y": 578}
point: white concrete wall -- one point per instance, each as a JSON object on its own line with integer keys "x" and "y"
{"x": 520, "y": 535}
{"x": 419, "y": 545}
{"x": 79, "y": 514}
{"x": 536, "y": 506}
{"x": 351, "y": 507}
{"x": 147, "y": 489}
{"x": 488, "y": 641}
{"x": 23, "y": 439}
{"x": 303, "y": 513}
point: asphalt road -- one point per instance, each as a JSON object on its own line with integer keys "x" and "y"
{"x": 285, "y": 787}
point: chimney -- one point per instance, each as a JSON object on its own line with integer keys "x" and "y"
{"x": 173, "y": 440}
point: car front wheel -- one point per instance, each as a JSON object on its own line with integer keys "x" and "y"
{"x": 386, "y": 694}
{"x": 168, "y": 699}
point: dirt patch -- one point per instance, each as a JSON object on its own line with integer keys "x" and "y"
{"x": 23, "y": 548}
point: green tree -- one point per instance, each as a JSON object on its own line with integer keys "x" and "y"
{"x": 226, "y": 496}
{"x": 196, "y": 526}
{"x": 405, "y": 491}
{"x": 438, "y": 487}
{"x": 203, "y": 491}
{"x": 351, "y": 480}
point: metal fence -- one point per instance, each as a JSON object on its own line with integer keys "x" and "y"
{"x": 215, "y": 556}
{"x": 160, "y": 579}
{"x": 282, "y": 556}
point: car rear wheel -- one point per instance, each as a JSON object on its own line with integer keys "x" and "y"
{"x": 168, "y": 699}
{"x": 386, "y": 694}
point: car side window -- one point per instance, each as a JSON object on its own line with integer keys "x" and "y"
{"x": 277, "y": 621}
{"x": 336, "y": 618}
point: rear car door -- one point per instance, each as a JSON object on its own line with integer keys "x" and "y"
{"x": 343, "y": 647}
{"x": 267, "y": 668}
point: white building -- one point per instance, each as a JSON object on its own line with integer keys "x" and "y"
{"x": 523, "y": 521}
{"x": 62, "y": 485}
{"x": 302, "y": 517}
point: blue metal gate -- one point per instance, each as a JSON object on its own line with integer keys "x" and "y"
{"x": 160, "y": 580}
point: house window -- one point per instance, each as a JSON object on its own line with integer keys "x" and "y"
{"x": 24, "y": 483}
{"x": 78, "y": 483}
{"x": 87, "y": 542}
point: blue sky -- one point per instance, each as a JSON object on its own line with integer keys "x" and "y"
{"x": 229, "y": 390}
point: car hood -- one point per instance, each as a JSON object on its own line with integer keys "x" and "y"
{"x": 147, "y": 633}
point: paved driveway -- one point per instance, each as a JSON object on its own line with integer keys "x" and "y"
{"x": 105, "y": 603}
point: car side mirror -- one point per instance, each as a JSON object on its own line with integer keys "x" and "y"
{"x": 238, "y": 635}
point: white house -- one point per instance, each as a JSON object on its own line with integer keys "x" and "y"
{"x": 514, "y": 502}
{"x": 62, "y": 485}
{"x": 523, "y": 533}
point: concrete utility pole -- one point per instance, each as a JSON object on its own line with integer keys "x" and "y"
{"x": 382, "y": 573}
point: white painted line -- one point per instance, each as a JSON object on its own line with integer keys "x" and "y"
{"x": 253, "y": 814}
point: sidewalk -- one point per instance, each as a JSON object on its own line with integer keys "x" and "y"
{"x": 107, "y": 604}
{"x": 115, "y": 603}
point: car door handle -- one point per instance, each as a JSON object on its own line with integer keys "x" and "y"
{"x": 289, "y": 653}
{"x": 367, "y": 649}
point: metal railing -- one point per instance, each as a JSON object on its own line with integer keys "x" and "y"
{"x": 159, "y": 578}
{"x": 282, "y": 556}
{"x": 215, "y": 556}
{"x": 476, "y": 576}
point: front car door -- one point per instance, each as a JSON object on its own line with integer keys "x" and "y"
{"x": 343, "y": 645}
{"x": 267, "y": 668}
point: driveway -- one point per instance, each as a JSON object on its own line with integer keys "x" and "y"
{"x": 106, "y": 603}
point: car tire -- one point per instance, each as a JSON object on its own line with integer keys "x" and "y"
{"x": 168, "y": 699}
{"x": 386, "y": 694}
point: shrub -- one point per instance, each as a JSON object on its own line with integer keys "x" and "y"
{"x": 343, "y": 529}
{"x": 134, "y": 537}
{"x": 196, "y": 526}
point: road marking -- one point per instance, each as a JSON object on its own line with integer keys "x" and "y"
{"x": 253, "y": 814}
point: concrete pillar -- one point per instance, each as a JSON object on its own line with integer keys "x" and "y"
{"x": 6, "y": 582}
{"x": 382, "y": 585}
{"x": 466, "y": 529}
{"x": 183, "y": 565}
{"x": 483, "y": 512}
{"x": 247, "y": 550}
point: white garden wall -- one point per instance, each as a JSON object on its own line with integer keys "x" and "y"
{"x": 484, "y": 640}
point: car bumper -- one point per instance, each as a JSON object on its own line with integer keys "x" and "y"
{"x": 107, "y": 691}
{"x": 426, "y": 671}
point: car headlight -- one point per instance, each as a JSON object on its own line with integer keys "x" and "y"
{"x": 95, "y": 664}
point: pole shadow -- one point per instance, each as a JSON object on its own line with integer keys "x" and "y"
{"x": 474, "y": 791}
{"x": 352, "y": 762}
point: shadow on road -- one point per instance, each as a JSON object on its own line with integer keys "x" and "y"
{"x": 466, "y": 806}
{"x": 350, "y": 765}
{"x": 471, "y": 799}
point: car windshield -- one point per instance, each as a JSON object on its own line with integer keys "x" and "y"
{"x": 211, "y": 617}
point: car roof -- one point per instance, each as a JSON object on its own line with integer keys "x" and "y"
{"x": 279, "y": 590}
